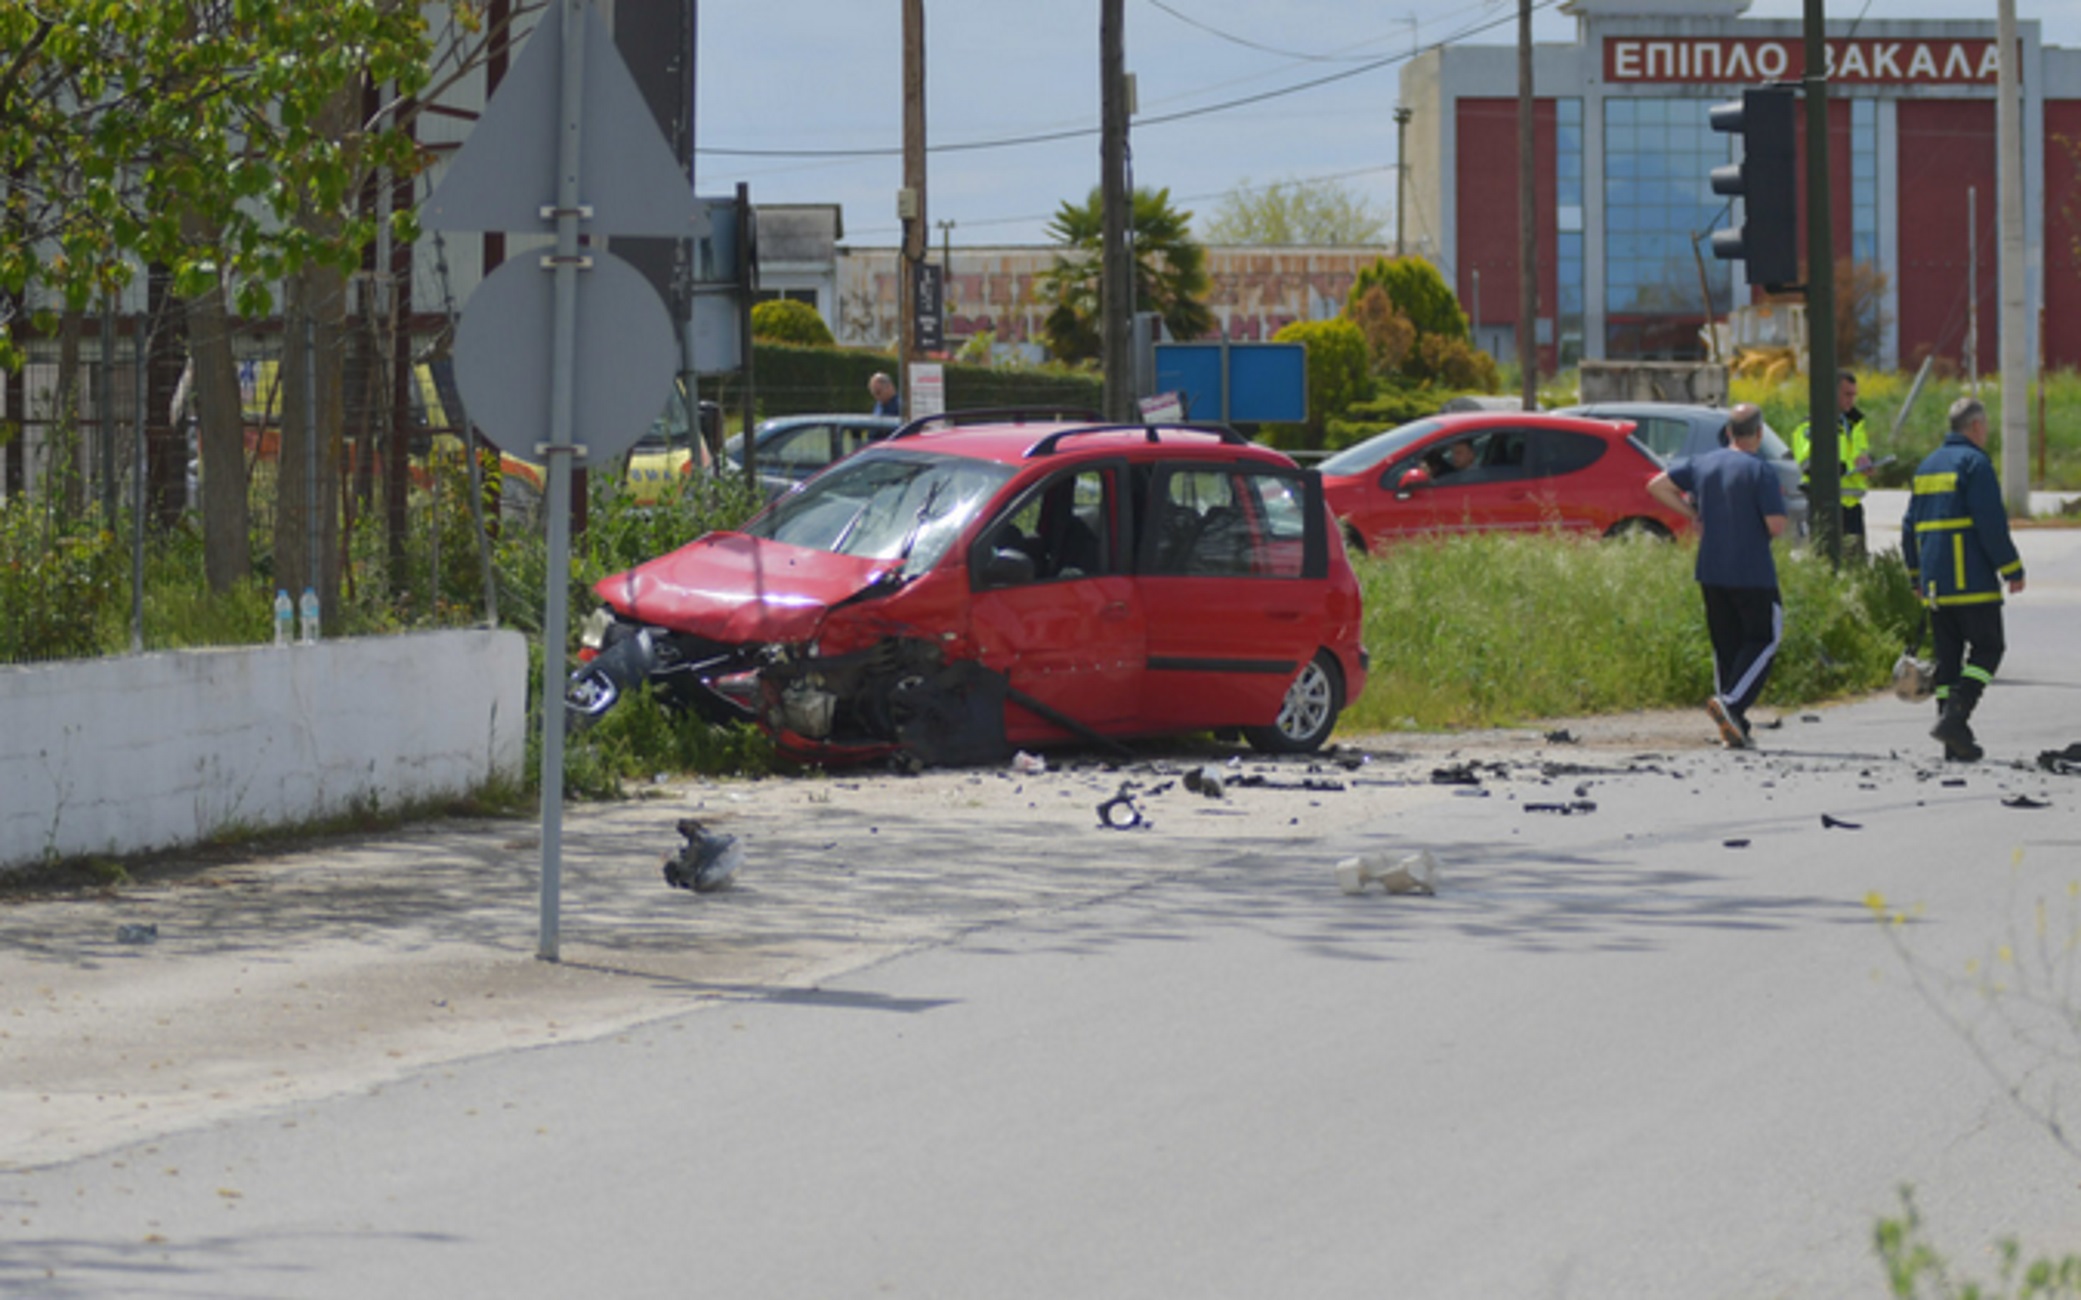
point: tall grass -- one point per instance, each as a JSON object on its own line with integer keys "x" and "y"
{"x": 1494, "y": 630}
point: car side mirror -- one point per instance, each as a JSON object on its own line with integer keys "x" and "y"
{"x": 1412, "y": 480}
{"x": 1007, "y": 567}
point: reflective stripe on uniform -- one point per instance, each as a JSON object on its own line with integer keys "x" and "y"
{"x": 1968, "y": 598}
{"x": 1931, "y": 484}
{"x": 1958, "y": 559}
{"x": 1943, "y": 525}
{"x": 1978, "y": 674}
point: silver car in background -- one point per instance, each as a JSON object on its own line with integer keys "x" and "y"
{"x": 1675, "y": 432}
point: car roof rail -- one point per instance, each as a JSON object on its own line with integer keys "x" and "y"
{"x": 995, "y": 415}
{"x": 1046, "y": 446}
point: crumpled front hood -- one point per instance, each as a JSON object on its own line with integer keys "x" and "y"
{"x": 739, "y": 590}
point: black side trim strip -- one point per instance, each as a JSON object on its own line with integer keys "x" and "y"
{"x": 1278, "y": 667}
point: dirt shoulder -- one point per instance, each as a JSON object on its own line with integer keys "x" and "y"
{"x": 267, "y": 978}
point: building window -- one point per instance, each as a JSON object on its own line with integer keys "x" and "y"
{"x": 1864, "y": 180}
{"x": 1568, "y": 228}
{"x": 1658, "y": 160}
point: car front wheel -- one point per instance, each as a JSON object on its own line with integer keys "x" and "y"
{"x": 1307, "y": 714}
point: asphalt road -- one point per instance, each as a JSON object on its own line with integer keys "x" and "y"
{"x": 1659, "y": 1047}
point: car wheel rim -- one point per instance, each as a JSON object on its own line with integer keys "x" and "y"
{"x": 1308, "y": 703}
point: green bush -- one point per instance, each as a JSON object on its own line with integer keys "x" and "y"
{"x": 783, "y": 320}
{"x": 59, "y": 580}
{"x": 1339, "y": 373}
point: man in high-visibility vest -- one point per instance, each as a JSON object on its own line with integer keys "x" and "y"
{"x": 1956, "y": 541}
{"x": 1853, "y": 454}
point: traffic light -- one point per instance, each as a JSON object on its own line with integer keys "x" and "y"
{"x": 1765, "y": 179}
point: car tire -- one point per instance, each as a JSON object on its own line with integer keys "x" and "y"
{"x": 1640, "y": 527}
{"x": 1308, "y": 713}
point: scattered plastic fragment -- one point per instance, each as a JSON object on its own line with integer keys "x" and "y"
{"x": 2063, "y": 762}
{"x": 1837, "y": 823}
{"x": 146, "y": 933}
{"x": 1028, "y": 764}
{"x": 1568, "y": 809}
{"x": 1200, "y": 781}
{"x": 1563, "y": 736}
{"x": 1457, "y": 774}
{"x": 1119, "y": 813}
{"x": 706, "y": 863}
{"x": 1410, "y": 873}
{"x": 1955, "y": 782}
{"x": 2025, "y": 801}
{"x": 1735, "y": 844}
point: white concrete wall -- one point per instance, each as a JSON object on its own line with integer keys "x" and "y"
{"x": 128, "y": 755}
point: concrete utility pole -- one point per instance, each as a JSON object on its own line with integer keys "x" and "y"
{"x": 911, "y": 207}
{"x": 1116, "y": 284}
{"x": 2015, "y": 351}
{"x": 1402, "y": 116}
{"x": 1824, "y": 421}
{"x": 1527, "y": 221}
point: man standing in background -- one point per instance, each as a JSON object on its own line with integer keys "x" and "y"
{"x": 1734, "y": 495}
{"x": 1854, "y": 455}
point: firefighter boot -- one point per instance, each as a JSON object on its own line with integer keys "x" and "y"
{"x": 1952, "y": 728}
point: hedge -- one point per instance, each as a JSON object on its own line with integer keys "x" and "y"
{"x": 801, "y": 381}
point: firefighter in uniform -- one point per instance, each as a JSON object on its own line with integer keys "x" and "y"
{"x": 1959, "y": 552}
{"x": 1853, "y": 450}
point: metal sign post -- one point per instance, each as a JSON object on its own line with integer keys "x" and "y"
{"x": 611, "y": 345}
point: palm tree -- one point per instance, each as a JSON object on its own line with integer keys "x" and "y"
{"x": 1170, "y": 272}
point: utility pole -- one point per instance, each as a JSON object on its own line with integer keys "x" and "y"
{"x": 910, "y": 203}
{"x": 2015, "y": 352}
{"x": 1824, "y": 420}
{"x": 1402, "y": 116}
{"x": 1116, "y": 283}
{"x": 1527, "y": 228}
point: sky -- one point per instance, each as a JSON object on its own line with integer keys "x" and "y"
{"x": 775, "y": 76}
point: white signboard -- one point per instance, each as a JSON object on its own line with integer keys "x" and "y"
{"x": 928, "y": 390}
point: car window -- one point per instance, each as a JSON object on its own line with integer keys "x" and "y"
{"x": 799, "y": 452}
{"x": 1063, "y": 525}
{"x": 1378, "y": 448}
{"x": 1563, "y": 451}
{"x": 885, "y": 505}
{"x": 1242, "y": 521}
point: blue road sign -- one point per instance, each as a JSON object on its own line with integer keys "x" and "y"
{"x": 1264, "y": 382}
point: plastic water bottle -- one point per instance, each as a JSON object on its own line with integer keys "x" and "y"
{"x": 285, "y": 616}
{"x": 308, "y": 632}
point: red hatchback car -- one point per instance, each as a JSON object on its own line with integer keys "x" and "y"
{"x": 961, "y": 589}
{"x": 1491, "y": 470}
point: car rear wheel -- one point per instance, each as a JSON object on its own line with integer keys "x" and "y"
{"x": 1639, "y": 527}
{"x": 1309, "y": 712}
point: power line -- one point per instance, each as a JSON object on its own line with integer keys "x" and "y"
{"x": 1249, "y": 44}
{"x": 1074, "y": 133}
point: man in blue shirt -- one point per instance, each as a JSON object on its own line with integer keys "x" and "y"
{"x": 1734, "y": 495}
{"x": 883, "y": 390}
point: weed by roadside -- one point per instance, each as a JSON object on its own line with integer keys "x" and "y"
{"x": 1493, "y": 630}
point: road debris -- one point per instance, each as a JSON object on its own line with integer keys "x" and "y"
{"x": 1409, "y": 873}
{"x": 2025, "y": 801}
{"x": 1028, "y": 764}
{"x": 146, "y": 933}
{"x": 706, "y": 863}
{"x": 1120, "y": 813}
{"x": 1735, "y": 844}
{"x": 1563, "y": 736}
{"x": 1567, "y": 809}
{"x": 1200, "y": 781}
{"x": 2062, "y": 762}
{"x": 1837, "y": 823}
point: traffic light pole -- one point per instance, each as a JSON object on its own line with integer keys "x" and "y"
{"x": 1824, "y": 421}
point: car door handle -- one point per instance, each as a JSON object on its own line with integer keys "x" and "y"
{"x": 1114, "y": 611}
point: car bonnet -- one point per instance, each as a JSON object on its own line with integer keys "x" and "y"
{"x": 739, "y": 590}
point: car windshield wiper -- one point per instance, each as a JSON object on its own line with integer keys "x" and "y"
{"x": 917, "y": 525}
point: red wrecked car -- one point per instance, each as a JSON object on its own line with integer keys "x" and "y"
{"x": 983, "y": 582}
